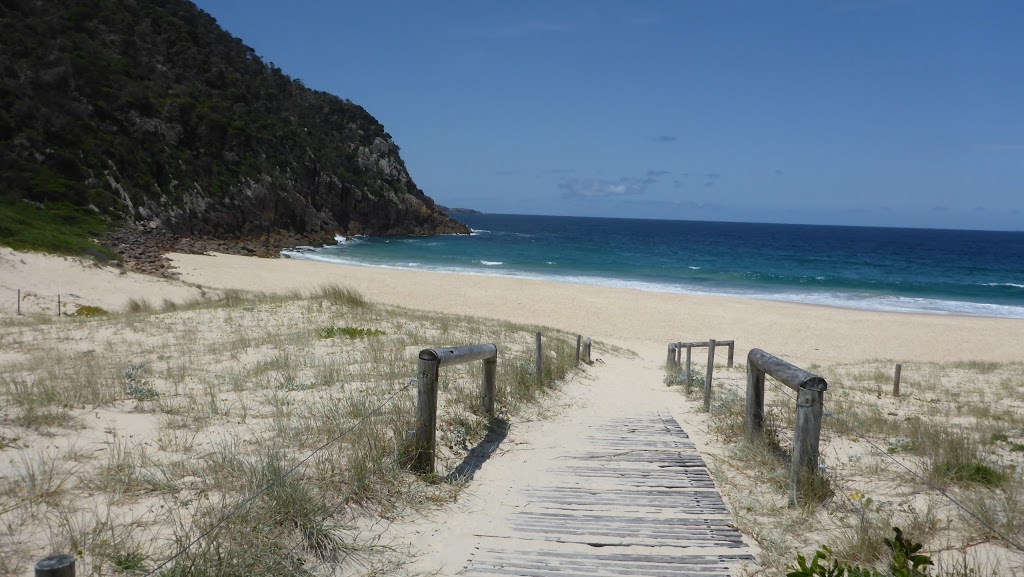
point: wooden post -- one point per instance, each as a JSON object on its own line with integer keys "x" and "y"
{"x": 426, "y": 414}
{"x": 689, "y": 379}
{"x": 56, "y": 566}
{"x": 579, "y": 341}
{"x": 732, "y": 349}
{"x": 586, "y": 349}
{"x": 540, "y": 361}
{"x": 19, "y": 301}
{"x": 670, "y": 358}
{"x": 488, "y": 386}
{"x": 707, "y": 379}
{"x": 753, "y": 426}
{"x": 806, "y": 435}
{"x": 896, "y": 380}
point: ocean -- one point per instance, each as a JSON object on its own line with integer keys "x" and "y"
{"x": 891, "y": 269}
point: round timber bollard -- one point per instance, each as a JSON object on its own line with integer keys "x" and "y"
{"x": 56, "y": 566}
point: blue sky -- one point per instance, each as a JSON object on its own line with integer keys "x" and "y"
{"x": 864, "y": 112}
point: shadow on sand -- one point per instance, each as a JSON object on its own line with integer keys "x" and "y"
{"x": 479, "y": 454}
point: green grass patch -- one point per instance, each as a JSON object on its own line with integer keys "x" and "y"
{"x": 970, "y": 472}
{"x": 90, "y": 311}
{"x": 349, "y": 332}
{"x": 57, "y": 228}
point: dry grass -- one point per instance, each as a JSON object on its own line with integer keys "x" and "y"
{"x": 125, "y": 436}
{"x": 958, "y": 428}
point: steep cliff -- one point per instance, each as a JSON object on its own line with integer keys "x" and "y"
{"x": 148, "y": 112}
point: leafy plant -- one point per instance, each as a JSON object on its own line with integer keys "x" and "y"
{"x": 907, "y": 561}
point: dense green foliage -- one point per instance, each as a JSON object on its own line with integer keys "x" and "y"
{"x": 148, "y": 110}
{"x": 906, "y": 561}
{"x": 58, "y": 227}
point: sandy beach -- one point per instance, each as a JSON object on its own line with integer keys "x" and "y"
{"x": 953, "y": 365}
{"x": 639, "y": 319}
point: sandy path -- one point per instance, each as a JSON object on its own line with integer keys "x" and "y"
{"x": 509, "y": 513}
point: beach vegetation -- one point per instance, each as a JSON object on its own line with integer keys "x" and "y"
{"x": 54, "y": 227}
{"x": 238, "y": 395}
{"x": 349, "y": 332}
{"x": 90, "y": 311}
{"x": 885, "y": 462}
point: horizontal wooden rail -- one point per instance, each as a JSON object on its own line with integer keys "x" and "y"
{"x": 675, "y": 350}
{"x": 430, "y": 361}
{"x": 810, "y": 390}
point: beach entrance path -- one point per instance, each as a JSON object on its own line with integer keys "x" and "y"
{"x": 611, "y": 486}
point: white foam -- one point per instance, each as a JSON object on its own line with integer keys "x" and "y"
{"x": 491, "y": 262}
{"x": 694, "y": 268}
{"x": 1009, "y": 284}
{"x": 832, "y": 299}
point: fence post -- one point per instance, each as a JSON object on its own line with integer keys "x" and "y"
{"x": 579, "y": 341}
{"x": 732, "y": 349}
{"x": 586, "y": 349}
{"x": 488, "y": 386}
{"x": 670, "y": 358}
{"x": 689, "y": 379}
{"x": 56, "y": 566}
{"x": 707, "y": 379}
{"x": 426, "y": 414}
{"x": 540, "y": 361}
{"x": 753, "y": 426}
{"x": 896, "y": 380}
{"x": 805, "y": 438}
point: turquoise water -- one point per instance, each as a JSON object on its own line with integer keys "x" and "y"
{"x": 911, "y": 270}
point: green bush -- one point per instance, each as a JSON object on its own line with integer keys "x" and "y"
{"x": 907, "y": 561}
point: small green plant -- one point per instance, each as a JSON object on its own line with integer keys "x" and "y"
{"x": 349, "y": 332}
{"x": 907, "y": 561}
{"x": 90, "y": 311}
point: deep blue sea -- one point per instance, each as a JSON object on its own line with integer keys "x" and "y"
{"x": 893, "y": 269}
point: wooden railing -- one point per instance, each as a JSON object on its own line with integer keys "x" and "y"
{"x": 810, "y": 391}
{"x": 430, "y": 362}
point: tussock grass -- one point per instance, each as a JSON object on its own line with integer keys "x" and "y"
{"x": 234, "y": 389}
{"x": 956, "y": 426}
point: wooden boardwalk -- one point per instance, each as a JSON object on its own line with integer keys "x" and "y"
{"x": 638, "y": 502}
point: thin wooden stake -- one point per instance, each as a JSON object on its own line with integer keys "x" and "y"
{"x": 689, "y": 379}
{"x": 579, "y": 342}
{"x": 540, "y": 361}
{"x": 732, "y": 349}
{"x": 896, "y": 380}
{"x": 707, "y": 378}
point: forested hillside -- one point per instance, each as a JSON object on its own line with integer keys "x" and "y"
{"x": 147, "y": 112}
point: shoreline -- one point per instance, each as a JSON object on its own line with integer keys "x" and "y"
{"x": 807, "y": 333}
{"x": 824, "y": 298}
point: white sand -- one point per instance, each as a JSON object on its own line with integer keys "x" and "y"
{"x": 639, "y": 319}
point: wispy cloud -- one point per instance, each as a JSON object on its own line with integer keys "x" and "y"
{"x": 601, "y": 188}
{"x": 658, "y": 173}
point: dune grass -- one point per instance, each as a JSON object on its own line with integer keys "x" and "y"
{"x": 955, "y": 428}
{"x": 138, "y": 431}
